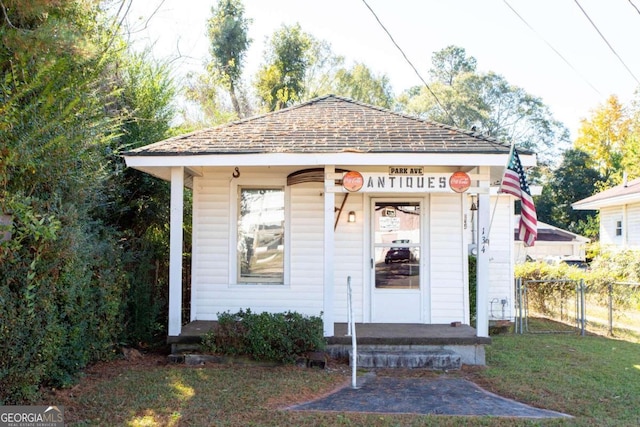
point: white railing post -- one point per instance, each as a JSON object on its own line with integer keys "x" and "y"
{"x": 354, "y": 344}
{"x": 349, "y": 332}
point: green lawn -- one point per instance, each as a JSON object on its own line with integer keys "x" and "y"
{"x": 595, "y": 379}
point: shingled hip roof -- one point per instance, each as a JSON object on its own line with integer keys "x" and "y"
{"x": 329, "y": 124}
{"x": 627, "y": 192}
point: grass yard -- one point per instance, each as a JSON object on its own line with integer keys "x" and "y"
{"x": 595, "y": 379}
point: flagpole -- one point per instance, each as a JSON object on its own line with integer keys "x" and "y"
{"x": 495, "y": 205}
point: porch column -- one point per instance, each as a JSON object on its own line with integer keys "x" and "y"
{"x": 482, "y": 266}
{"x": 329, "y": 218}
{"x": 175, "y": 251}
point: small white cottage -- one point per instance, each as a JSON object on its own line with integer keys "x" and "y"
{"x": 288, "y": 205}
{"x": 619, "y": 209}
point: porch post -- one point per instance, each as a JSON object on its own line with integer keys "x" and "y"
{"x": 482, "y": 267}
{"x": 328, "y": 279}
{"x": 175, "y": 251}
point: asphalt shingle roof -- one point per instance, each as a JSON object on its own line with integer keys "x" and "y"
{"x": 329, "y": 124}
{"x": 626, "y": 189}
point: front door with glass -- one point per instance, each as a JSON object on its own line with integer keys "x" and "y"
{"x": 396, "y": 279}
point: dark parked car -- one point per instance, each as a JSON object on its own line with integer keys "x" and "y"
{"x": 398, "y": 254}
{"x": 582, "y": 265}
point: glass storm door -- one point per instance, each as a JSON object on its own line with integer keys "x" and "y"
{"x": 396, "y": 293}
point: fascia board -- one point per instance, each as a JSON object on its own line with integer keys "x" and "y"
{"x": 356, "y": 159}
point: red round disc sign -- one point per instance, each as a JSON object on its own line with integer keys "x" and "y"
{"x": 352, "y": 181}
{"x": 459, "y": 182}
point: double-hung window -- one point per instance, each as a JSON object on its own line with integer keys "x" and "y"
{"x": 261, "y": 235}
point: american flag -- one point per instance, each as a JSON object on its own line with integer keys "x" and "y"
{"x": 515, "y": 183}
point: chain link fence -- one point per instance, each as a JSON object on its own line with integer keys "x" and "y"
{"x": 571, "y": 306}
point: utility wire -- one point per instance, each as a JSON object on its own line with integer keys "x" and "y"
{"x": 410, "y": 63}
{"x": 607, "y": 42}
{"x": 634, "y": 6}
{"x": 552, "y": 48}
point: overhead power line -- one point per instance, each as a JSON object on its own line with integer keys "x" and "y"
{"x": 634, "y": 6}
{"x": 410, "y": 63}
{"x": 552, "y": 48}
{"x": 607, "y": 42}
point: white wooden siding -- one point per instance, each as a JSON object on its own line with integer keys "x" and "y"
{"x": 447, "y": 277}
{"x": 214, "y": 287}
{"x": 501, "y": 258}
{"x": 630, "y": 217}
{"x": 609, "y": 216}
{"x": 213, "y": 284}
{"x": 349, "y": 258}
{"x": 633, "y": 225}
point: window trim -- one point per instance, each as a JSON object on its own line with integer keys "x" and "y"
{"x": 618, "y": 228}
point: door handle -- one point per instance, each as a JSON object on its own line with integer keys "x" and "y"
{"x": 371, "y": 262}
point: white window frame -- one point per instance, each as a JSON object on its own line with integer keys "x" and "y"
{"x": 234, "y": 202}
{"x": 618, "y": 228}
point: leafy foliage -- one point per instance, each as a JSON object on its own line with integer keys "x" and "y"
{"x": 571, "y": 181}
{"x": 487, "y": 102}
{"x": 607, "y": 268}
{"x": 280, "y": 81}
{"x": 62, "y": 118}
{"x": 280, "y": 337}
{"x": 360, "y": 84}
{"x": 228, "y": 33}
{"x": 136, "y": 205}
{"x": 608, "y": 139}
{"x": 473, "y": 288}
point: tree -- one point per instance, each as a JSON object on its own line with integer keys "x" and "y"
{"x": 487, "y": 102}
{"x": 449, "y": 63}
{"x": 81, "y": 247}
{"x": 280, "y": 81}
{"x": 320, "y": 74}
{"x": 608, "y": 137}
{"x": 571, "y": 181}
{"x": 360, "y": 84}
{"x": 228, "y": 33}
{"x": 136, "y": 205}
{"x": 61, "y": 272}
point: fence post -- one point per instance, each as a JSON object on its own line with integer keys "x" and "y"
{"x": 610, "y": 309}
{"x": 519, "y": 298}
{"x": 582, "y": 307}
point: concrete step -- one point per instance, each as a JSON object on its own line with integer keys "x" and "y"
{"x": 432, "y": 359}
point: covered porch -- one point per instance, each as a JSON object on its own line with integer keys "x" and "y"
{"x": 412, "y": 339}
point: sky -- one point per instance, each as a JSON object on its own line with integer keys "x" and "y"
{"x": 557, "y": 55}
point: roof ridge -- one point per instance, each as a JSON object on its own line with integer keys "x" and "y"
{"x": 468, "y": 132}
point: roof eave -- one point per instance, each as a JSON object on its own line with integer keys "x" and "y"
{"x": 316, "y": 159}
{"x": 587, "y": 204}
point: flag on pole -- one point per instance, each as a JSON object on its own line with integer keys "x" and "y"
{"x": 514, "y": 182}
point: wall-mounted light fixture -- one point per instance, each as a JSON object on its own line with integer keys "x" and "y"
{"x": 474, "y": 206}
{"x": 351, "y": 217}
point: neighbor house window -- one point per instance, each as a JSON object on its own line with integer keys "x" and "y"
{"x": 618, "y": 228}
{"x": 261, "y": 235}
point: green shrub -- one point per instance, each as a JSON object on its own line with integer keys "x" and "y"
{"x": 606, "y": 268}
{"x": 472, "y": 289}
{"x": 59, "y": 302}
{"x": 279, "y": 337}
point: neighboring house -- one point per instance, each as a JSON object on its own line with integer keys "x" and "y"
{"x": 619, "y": 209}
{"x": 552, "y": 244}
{"x": 288, "y": 205}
